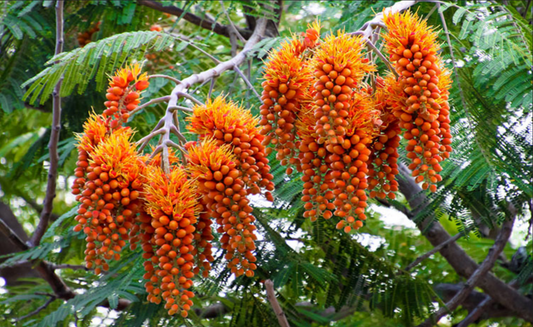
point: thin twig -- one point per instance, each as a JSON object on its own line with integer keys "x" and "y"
{"x": 190, "y": 97}
{"x": 175, "y": 80}
{"x": 39, "y": 309}
{"x": 211, "y": 87}
{"x": 68, "y": 266}
{"x": 482, "y": 307}
{"x": 54, "y": 139}
{"x": 189, "y": 43}
{"x": 431, "y": 12}
{"x": 248, "y": 83}
{"x": 481, "y": 271}
{"x": 271, "y": 295}
{"x": 235, "y": 30}
{"x": 175, "y": 108}
{"x": 7, "y": 231}
{"x": 149, "y": 103}
{"x": 476, "y": 313}
{"x": 144, "y": 141}
{"x": 379, "y": 53}
{"x": 436, "y": 249}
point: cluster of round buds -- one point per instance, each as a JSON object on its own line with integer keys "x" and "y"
{"x": 109, "y": 198}
{"x": 227, "y": 123}
{"x": 85, "y": 37}
{"x": 413, "y": 47}
{"x": 285, "y": 89}
{"x": 349, "y": 163}
{"x": 339, "y": 66}
{"x": 311, "y": 162}
{"x": 287, "y": 78}
{"x": 124, "y": 96}
{"x": 94, "y": 132}
{"x": 334, "y": 175}
{"x": 171, "y": 210}
{"x": 383, "y": 166}
{"x": 221, "y": 187}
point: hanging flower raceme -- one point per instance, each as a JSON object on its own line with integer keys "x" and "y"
{"x": 171, "y": 211}
{"x": 222, "y": 195}
{"x": 383, "y": 166}
{"x": 109, "y": 198}
{"x": 413, "y": 47}
{"x": 349, "y": 162}
{"x": 339, "y": 65}
{"x": 123, "y": 94}
{"x": 230, "y": 124}
{"x": 108, "y": 180}
{"x": 312, "y": 163}
{"x": 287, "y": 79}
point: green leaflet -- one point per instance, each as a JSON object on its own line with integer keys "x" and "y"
{"x": 79, "y": 66}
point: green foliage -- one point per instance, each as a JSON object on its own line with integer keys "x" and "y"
{"x": 81, "y": 65}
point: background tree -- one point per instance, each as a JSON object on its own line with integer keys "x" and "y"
{"x": 387, "y": 273}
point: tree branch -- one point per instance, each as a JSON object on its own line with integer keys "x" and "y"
{"x": 461, "y": 262}
{"x": 54, "y": 139}
{"x": 46, "y": 270}
{"x": 39, "y": 309}
{"x": 207, "y": 24}
{"x": 231, "y": 22}
{"x": 175, "y": 80}
{"x": 481, "y": 271}
{"x": 271, "y": 295}
{"x": 7, "y": 231}
{"x": 436, "y": 249}
{"x": 149, "y": 103}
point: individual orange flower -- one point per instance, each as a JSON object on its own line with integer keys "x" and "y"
{"x": 94, "y": 131}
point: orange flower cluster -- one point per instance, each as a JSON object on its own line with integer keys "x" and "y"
{"x": 230, "y": 124}
{"x": 109, "y": 182}
{"x": 168, "y": 237}
{"x": 125, "y": 197}
{"x": 223, "y": 195}
{"x": 108, "y": 192}
{"x": 422, "y": 109}
{"x": 383, "y": 166}
{"x": 348, "y": 133}
{"x": 85, "y": 37}
{"x": 287, "y": 79}
{"x": 335, "y": 124}
{"x": 122, "y": 95}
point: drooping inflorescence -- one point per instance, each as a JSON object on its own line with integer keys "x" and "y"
{"x": 228, "y": 123}
{"x": 124, "y": 96}
{"x": 223, "y": 196}
{"x": 422, "y": 109}
{"x": 168, "y": 243}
